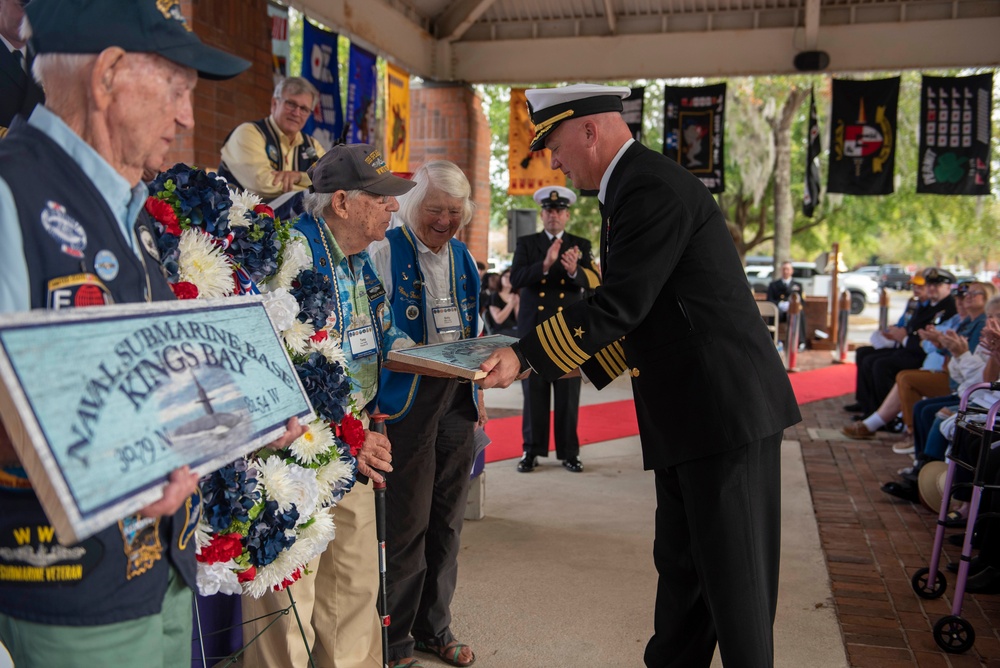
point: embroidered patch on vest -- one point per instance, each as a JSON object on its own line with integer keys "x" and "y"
{"x": 149, "y": 243}
{"x": 412, "y": 312}
{"x": 30, "y": 555}
{"x": 272, "y": 153}
{"x": 141, "y": 542}
{"x": 76, "y": 291}
{"x": 64, "y": 228}
{"x": 106, "y": 265}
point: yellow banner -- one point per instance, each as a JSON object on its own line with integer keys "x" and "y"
{"x": 529, "y": 170}
{"x": 397, "y": 118}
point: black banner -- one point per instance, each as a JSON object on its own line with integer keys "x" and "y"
{"x": 955, "y": 135}
{"x": 863, "y": 136}
{"x": 632, "y": 107}
{"x": 810, "y": 198}
{"x": 694, "y": 119}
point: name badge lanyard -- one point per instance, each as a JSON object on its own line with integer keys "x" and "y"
{"x": 444, "y": 310}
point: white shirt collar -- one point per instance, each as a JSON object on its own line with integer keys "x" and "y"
{"x": 553, "y": 236}
{"x": 607, "y": 172}
{"x": 10, "y": 47}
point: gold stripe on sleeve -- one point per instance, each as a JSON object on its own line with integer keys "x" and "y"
{"x": 547, "y": 341}
{"x": 572, "y": 351}
{"x": 593, "y": 280}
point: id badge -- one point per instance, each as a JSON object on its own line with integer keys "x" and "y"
{"x": 446, "y": 319}
{"x": 362, "y": 341}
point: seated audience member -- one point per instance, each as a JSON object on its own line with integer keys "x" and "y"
{"x": 270, "y": 157}
{"x": 779, "y": 293}
{"x": 503, "y": 307}
{"x": 877, "y": 368}
{"x": 433, "y": 288}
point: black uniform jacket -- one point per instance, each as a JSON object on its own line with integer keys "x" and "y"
{"x": 18, "y": 93}
{"x": 543, "y": 295}
{"x": 675, "y": 312}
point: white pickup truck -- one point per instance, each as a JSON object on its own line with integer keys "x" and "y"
{"x": 864, "y": 289}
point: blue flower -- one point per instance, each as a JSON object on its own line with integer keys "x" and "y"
{"x": 315, "y": 296}
{"x": 256, "y": 248}
{"x": 327, "y": 385}
{"x": 267, "y": 537}
{"x": 199, "y": 197}
{"x": 228, "y": 495}
{"x": 344, "y": 486}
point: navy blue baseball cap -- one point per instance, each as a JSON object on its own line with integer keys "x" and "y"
{"x": 141, "y": 26}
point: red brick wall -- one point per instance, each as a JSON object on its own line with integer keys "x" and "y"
{"x": 447, "y": 122}
{"x": 240, "y": 27}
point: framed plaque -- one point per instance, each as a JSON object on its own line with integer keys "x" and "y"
{"x": 456, "y": 359}
{"x": 103, "y": 403}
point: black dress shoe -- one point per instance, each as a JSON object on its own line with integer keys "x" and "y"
{"x": 854, "y": 408}
{"x": 902, "y": 490}
{"x": 527, "y": 463}
{"x": 986, "y": 581}
{"x": 573, "y": 464}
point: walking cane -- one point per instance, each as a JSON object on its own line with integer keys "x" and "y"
{"x": 378, "y": 426}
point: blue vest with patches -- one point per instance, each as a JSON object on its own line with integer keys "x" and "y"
{"x": 313, "y": 231}
{"x": 76, "y": 257}
{"x": 303, "y": 158}
{"x": 397, "y": 390}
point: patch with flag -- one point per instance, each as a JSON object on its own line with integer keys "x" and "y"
{"x": 863, "y": 136}
{"x": 693, "y": 133}
{"x": 955, "y": 135}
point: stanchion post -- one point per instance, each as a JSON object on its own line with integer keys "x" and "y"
{"x": 843, "y": 312}
{"x": 378, "y": 425}
{"x": 883, "y": 309}
{"x": 794, "y": 313}
{"x": 834, "y": 315}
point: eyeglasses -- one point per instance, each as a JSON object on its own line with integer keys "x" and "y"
{"x": 381, "y": 199}
{"x": 292, "y": 107}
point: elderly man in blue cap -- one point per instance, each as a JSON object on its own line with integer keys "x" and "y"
{"x": 120, "y": 74}
{"x": 711, "y": 395}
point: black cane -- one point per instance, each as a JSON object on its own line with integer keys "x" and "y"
{"x": 378, "y": 426}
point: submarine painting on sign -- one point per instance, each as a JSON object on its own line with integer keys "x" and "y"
{"x": 103, "y": 403}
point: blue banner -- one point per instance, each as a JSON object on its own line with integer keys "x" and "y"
{"x": 362, "y": 91}
{"x": 319, "y": 66}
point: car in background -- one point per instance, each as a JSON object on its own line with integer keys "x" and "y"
{"x": 871, "y": 270}
{"x": 863, "y": 289}
{"x": 893, "y": 277}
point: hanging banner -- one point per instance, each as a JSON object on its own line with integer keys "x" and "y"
{"x": 863, "y": 137}
{"x": 397, "y": 118}
{"x": 955, "y": 135}
{"x": 632, "y": 112}
{"x": 280, "y": 49}
{"x": 362, "y": 90}
{"x": 810, "y": 197}
{"x": 319, "y": 67}
{"x": 693, "y": 133}
{"x": 528, "y": 170}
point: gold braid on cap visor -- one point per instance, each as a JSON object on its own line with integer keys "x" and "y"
{"x": 546, "y": 126}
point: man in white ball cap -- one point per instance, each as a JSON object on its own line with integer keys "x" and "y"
{"x": 711, "y": 395}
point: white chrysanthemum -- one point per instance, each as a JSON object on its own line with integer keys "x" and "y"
{"x": 274, "y": 573}
{"x": 202, "y": 262}
{"x": 202, "y": 535}
{"x": 331, "y": 477}
{"x": 330, "y": 349}
{"x": 310, "y": 445}
{"x": 294, "y": 258}
{"x": 218, "y": 578}
{"x": 297, "y": 337}
{"x": 290, "y": 484}
{"x": 315, "y": 538}
{"x": 310, "y": 542}
{"x": 243, "y": 202}
{"x": 282, "y": 308}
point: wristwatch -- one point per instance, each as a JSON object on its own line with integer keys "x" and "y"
{"x": 522, "y": 360}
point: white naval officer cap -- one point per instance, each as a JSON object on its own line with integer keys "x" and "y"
{"x": 551, "y": 106}
{"x": 554, "y": 197}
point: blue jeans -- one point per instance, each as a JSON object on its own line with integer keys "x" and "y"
{"x": 927, "y": 439}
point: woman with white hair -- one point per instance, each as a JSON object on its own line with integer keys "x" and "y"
{"x": 433, "y": 287}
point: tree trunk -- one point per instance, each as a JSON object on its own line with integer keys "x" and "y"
{"x": 784, "y": 213}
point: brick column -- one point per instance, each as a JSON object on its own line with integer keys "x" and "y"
{"x": 447, "y": 122}
{"x": 243, "y": 29}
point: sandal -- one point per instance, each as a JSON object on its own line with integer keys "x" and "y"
{"x": 449, "y": 653}
{"x": 955, "y": 519}
{"x": 408, "y": 662}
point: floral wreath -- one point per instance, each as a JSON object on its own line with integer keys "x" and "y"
{"x": 263, "y": 516}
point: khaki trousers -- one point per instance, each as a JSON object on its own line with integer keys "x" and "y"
{"x": 336, "y": 602}
{"x": 914, "y": 385}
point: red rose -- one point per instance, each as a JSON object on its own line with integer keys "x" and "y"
{"x": 163, "y": 213}
{"x": 223, "y": 547}
{"x": 247, "y": 575}
{"x": 352, "y": 432}
{"x": 264, "y": 209}
{"x": 289, "y": 580}
{"x": 321, "y": 335}
{"x": 185, "y": 290}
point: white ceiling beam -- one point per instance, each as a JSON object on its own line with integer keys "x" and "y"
{"x": 382, "y": 29}
{"x": 609, "y": 13}
{"x": 957, "y": 43}
{"x": 457, "y": 18}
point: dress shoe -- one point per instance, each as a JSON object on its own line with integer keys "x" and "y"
{"x": 902, "y": 490}
{"x": 857, "y": 431}
{"x": 904, "y": 447}
{"x": 986, "y": 581}
{"x": 854, "y": 408}
{"x": 527, "y": 463}
{"x": 573, "y": 464}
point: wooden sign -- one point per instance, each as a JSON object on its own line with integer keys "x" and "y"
{"x": 103, "y": 403}
{"x": 456, "y": 359}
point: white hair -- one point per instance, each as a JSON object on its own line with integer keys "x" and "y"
{"x": 446, "y": 177}
{"x": 318, "y": 205}
{"x": 296, "y": 86}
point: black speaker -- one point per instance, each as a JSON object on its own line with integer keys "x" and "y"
{"x": 519, "y": 223}
{"x": 811, "y": 61}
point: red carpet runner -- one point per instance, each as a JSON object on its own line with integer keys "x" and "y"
{"x": 606, "y": 422}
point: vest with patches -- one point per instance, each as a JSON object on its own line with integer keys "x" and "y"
{"x": 304, "y": 154}
{"x": 397, "y": 390}
{"x": 72, "y": 241}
